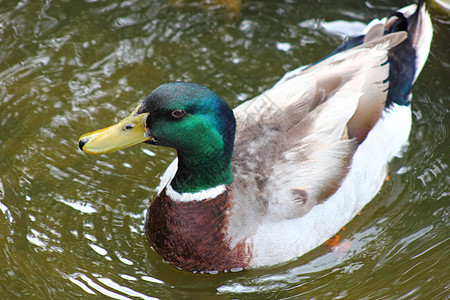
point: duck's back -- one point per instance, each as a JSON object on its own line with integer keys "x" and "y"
{"x": 313, "y": 150}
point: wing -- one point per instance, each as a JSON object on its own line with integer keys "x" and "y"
{"x": 295, "y": 142}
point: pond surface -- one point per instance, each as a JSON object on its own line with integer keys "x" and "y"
{"x": 71, "y": 224}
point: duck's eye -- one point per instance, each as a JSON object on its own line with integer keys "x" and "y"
{"x": 128, "y": 127}
{"x": 178, "y": 113}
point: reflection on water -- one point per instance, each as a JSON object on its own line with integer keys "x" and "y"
{"x": 71, "y": 225}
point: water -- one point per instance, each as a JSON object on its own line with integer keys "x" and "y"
{"x": 71, "y": 225}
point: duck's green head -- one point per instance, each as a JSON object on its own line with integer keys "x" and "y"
{"x": 186, "y": 116}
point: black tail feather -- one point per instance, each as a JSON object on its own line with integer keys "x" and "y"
{"x": 402, "y": 58}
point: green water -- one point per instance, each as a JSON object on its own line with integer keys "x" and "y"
{"x": 71, "y": 224}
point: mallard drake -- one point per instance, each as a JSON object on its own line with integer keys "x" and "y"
{"x": 280, "y": 174}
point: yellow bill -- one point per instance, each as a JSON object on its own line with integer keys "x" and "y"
{"x": 128, "y": 132}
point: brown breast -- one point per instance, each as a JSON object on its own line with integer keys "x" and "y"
{"x": 191, "y": 235}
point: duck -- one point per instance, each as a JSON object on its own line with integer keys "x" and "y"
{"x": 270, "y": 180}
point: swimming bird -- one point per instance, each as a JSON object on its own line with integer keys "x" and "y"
{"x": 277, "y": 176}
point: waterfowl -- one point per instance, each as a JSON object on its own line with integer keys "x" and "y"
{"x": 280, "y": 174}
